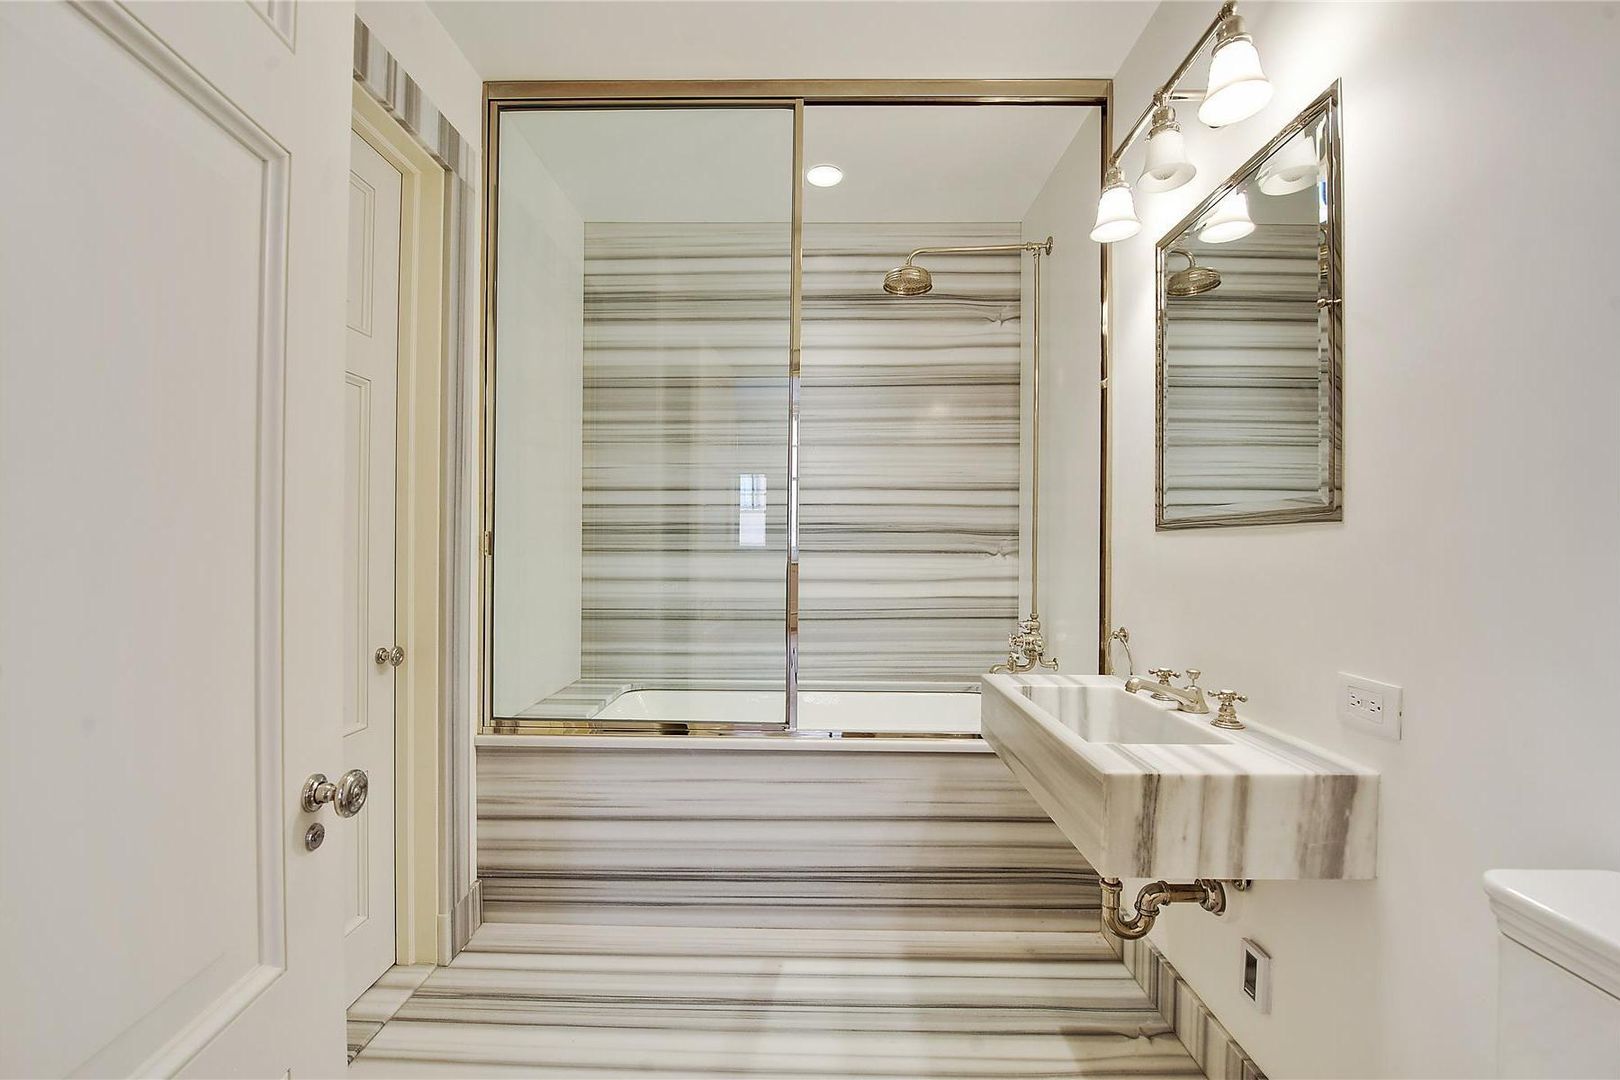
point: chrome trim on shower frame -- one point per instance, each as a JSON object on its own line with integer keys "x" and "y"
{"x": 795, "y": 357}
{"x": 502, "y": 96}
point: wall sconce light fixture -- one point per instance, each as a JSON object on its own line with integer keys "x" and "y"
{"x": 1238, "y": 89}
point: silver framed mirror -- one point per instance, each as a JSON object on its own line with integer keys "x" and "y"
{"x": 1250, "y": 339}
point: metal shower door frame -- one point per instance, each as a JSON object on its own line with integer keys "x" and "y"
{"x": 795, "y": 94}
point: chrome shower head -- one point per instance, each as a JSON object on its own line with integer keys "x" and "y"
{"x": 1195, "y": 280}
{"x": 907, "y": 280}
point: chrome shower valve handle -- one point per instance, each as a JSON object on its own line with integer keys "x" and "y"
{"x": 1226, "y": 716}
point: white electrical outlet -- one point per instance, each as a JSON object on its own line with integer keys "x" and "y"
{"x": 1257, "y": 975}
{"x": 1370, "y": 705}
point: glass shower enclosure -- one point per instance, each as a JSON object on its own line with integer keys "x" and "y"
{"x": 669, "y": 342}
{"x": 641, "y": 423}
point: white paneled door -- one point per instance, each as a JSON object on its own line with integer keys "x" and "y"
{"x": 171, "y": 533}
{"x": 370, "y": 660}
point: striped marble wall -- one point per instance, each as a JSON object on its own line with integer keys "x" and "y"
{"x": 1218, "y": 1054}
{"x": 909, "y": 470}
{"x": 1246, "y": 392}
{"x": 851, "y": 837}
{"x": 685, "y": 421}
{"x": 909, "y": 461}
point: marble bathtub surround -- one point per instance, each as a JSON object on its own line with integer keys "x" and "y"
{"x": 861, "y": 834}
{"x": 1163, "y": 794}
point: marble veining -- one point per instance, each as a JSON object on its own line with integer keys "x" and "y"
{"x": 909, "y": 464}
{"x": 544, "y": 1000}
{"x": 1242, "y": 804}
{"x": 372, "y": 1009}
{"x": 685, "y": 908}
{"x": 1218, "y": 1054}
{"x": 681, "y": 831}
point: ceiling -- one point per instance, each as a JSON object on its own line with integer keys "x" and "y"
{"x": 757, "y": 39}
{"x": 937, "y": 162}
{"x": 901, "y": 163}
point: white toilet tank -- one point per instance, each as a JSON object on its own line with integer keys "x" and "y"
{"x": 1558, "y": 989}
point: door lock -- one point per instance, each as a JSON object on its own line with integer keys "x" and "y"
{"x": 347, "y": 796}
{"x": 384, "y": 655}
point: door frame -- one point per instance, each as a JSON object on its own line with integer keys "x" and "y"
{"x": 526, "y": 95}
{"x": 418, "y": 530}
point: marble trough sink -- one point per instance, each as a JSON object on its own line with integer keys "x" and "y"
{"x": 1146, "y": 791}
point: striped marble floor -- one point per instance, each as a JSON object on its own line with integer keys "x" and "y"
{"x": 543, "y": 1000}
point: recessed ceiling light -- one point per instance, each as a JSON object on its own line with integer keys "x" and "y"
{"x": 824, "y": 175}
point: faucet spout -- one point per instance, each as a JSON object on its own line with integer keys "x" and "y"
{"x": 1188, "y": 699}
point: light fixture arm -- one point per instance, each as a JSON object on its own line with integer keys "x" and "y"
{"x": 1170, "y": 90}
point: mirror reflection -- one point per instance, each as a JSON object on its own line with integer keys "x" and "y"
{"x": 1249, "y": 342}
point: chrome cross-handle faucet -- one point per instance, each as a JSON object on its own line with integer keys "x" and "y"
{"x": 1188, "y": 699}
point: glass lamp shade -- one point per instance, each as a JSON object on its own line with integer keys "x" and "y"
{"x": 1237, "y": 87}
{"x": 1292, "y": 169}
{"x": 1167, "y": 166}
{"x": 1228, "y": 221}
{"x": 1116, "y": 212}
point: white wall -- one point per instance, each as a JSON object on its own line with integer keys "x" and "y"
{"x": 1070, "y": 348}
{"x": 538, "y": 401}
{"x": 1476, "y": 564}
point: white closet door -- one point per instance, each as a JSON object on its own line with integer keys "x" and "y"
{"x": 370, "y": 391}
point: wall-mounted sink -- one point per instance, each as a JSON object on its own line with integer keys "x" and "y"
{"x": 1144, "y": 790}
{"x": 1104, "y": 712}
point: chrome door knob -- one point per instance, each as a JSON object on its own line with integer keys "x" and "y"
{"x": 347, "y": 796}
{"x": 384, "y": 655}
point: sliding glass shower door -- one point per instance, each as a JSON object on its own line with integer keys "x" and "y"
{"x": 643, "y": 295}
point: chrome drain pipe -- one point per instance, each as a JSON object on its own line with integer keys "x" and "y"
{"x": 1207, "y": 893}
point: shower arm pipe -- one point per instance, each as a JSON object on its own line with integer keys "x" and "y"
{"x": 982, "y": 249}
{"x": 1170, "y": 90}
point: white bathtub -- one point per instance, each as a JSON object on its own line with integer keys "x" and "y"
{"x": 887, "y": 711}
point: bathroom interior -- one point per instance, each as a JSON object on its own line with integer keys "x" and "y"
{"x": 904, "y": 539}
